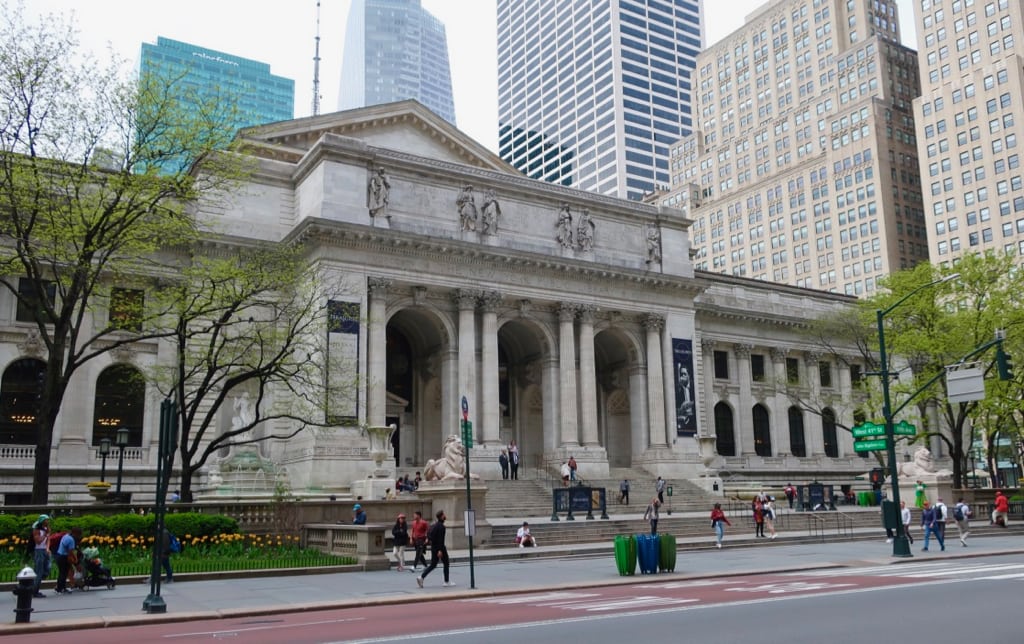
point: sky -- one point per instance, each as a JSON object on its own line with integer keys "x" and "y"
{"x": 282, "y": 33}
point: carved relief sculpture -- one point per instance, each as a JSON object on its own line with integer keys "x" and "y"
{"x": 653, "y": 244}
{"x": 564, "y": 227}
{"x": 466, "y": 204}
{"x": 378, "y": 190}
{"x": 490, "y": 213}
{"x": 585, "y": 231}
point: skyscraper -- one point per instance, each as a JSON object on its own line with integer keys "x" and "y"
{"x": 968, "y": 117}
{"x": 802, "y": 168}
{"x": 395, "y": 50}
{"x": 591, "y": 95}
{"x": 264, "y": 97}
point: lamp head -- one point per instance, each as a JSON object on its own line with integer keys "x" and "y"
{"x": 104, "y": 446}
{"x": 122, "y": 437}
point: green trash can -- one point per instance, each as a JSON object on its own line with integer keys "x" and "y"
{"x": 625, "y": 554}
{"x": 667, "y": 555}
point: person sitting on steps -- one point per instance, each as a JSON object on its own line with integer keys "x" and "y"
{"x": 523, "y": 537}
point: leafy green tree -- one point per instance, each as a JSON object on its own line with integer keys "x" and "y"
{"x": 96, "y": 169}
{"x": 249, "y": 332}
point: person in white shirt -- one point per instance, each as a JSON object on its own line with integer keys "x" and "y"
{"x": 524, "y": 538}
{"x": 963, "y": 525}
{"x": 905, "y": 518}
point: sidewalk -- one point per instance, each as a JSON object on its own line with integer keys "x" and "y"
{"x": 495, "y": 571}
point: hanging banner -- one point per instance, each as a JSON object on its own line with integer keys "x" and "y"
{"x": 682, "y": 368}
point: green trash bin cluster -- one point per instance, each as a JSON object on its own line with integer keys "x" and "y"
{"x": 659, "y": 553}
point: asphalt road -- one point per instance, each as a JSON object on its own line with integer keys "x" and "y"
{"x": 935, "y": 600}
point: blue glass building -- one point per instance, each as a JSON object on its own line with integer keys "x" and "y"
{"x": 264, "y": 97}
{"x": 395, "y": 50}
{"x": 591, "y": 95}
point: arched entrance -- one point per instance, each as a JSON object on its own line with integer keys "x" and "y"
{"x": 524, "y": 366}
{"x": 417, "y": 344}
{"x": 619, "y": 409}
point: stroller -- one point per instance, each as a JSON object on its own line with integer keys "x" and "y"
{"x": 94, "y": 573}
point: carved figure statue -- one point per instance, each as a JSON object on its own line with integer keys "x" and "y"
{"x": 490, "y": 213}
{"x": 923, "y": 466}
{"x": 452, "y": 464}
{"x": 653, "y": 244}
{"x": 585, "y": 231}
{"x": 466, "y": 204}
{"x": 378, "y": 189}
{"x": 245, "y": 412}
{"x": 564, "y": 226}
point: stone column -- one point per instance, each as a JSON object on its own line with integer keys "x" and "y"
{"x": 706, "y": 397}
{"x": 668, "y": 379}
{"x": 846, "y": 418}
{"x": 654, "y": 324}
{"x": 490, "y": 404}
{"x": 812, "y": 422}
{"x": 588, "y": 377}
{"x": 377, "y": 350}
{"x": 567, "y": 374}
{"x": 466, "y": 301}
{"x": 780, "y": 402}
{"x": 745, "y": 414}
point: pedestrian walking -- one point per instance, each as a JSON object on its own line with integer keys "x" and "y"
{"x": 166, "y": 539}
{"x": 651, "y": 514}
{"x": 565, "y": 473}
{"x": 758, "y": 518}
{"x": 572, "y": 468}
{"x": 438, "y": 551}
{"x": 930, "y": 527}
{"x": 718, "y": 523}
{"x": 769, "y": 517}
{"x": 790, "y": 493}
{"x": 503, "y": 462}
{"x": 420, "y": 527}
{"x": 513, "y": 459}
{"x": 399, "y": 540}
{"x": 940, "y": 517}
{"x": 1001, "y": 509}
{"x": 659, "y": 487}
{"x": 41, "y": 560}
{"x": 624, "y": 492}
{"x": 962, "y": 515}
{"x": 905, "y": 518}
{"x": 65, "y": 557}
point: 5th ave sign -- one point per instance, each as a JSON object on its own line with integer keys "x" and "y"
{"x": 871, "y": 436}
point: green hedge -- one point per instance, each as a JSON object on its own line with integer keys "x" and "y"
{"x": 123, "y": 525}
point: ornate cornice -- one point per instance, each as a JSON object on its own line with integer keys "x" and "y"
{"x": 653, "y": 321}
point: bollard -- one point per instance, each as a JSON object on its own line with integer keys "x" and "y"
{"x": 24, "y": 591}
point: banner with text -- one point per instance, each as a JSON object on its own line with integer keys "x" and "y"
{"x": 682, "y": 368}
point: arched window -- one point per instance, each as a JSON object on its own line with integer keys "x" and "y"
{"x": 828, "y": 433}
{"x": 762, "y": 431}
{"x": 725, "y": 443}
{"x": 20, "y": 390}
{"x": 120, "y": 402}
{"x": 797, "y": 442}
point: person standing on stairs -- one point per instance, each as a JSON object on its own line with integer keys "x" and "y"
{"x": 513, "y": 459}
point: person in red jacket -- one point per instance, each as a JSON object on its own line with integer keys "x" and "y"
{"x": 717, "y": 521}
{"x": 418, "y": 534}
{"x": 1002, "y": 509}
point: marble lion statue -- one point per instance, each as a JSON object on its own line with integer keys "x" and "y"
{"x": 922, "y": 465}
{"x": 452, "y": 464}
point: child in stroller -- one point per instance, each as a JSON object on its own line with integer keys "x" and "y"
{"x": 94, "y": 572}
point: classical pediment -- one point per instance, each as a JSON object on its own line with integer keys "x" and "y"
{"x": 406, "y": 126}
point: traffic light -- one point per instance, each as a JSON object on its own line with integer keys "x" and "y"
{"x": 1004, "y": 362}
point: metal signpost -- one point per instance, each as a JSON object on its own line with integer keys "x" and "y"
{"x": 470, "y": 518}
{"x": 154, "y": 603}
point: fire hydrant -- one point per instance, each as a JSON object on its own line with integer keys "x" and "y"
{"x": 24, "y": 591}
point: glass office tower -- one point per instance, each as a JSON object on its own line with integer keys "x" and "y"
{"x": 591, "y": 95}
{"x": 264, "y": 97}
{"x": 395, "y": 50}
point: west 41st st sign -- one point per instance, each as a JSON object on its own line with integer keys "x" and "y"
{"x": 874, "y": 430}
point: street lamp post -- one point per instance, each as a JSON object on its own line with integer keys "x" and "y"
{"x": 122, "y": 441}
{"x": 104, "y": 452}
{"x": 900, "y": 545}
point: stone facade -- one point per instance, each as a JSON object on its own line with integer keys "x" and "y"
{"x": 573, "y": 348}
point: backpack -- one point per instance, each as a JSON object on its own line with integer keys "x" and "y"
{"x": 174, "y": 545}
{"x": 958, "y": 513}
{"x": 940, "y": 512}
{"x": 55, "y": 540}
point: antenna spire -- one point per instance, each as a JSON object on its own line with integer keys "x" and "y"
{"x": 316, "y": 65}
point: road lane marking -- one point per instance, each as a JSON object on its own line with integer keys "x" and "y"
{"x": 530, "y": 598}
{"x": 788, "y": 587}
{"x": 236, "y": 631}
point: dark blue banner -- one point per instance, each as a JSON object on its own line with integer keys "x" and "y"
{"x": 686, "y": 401}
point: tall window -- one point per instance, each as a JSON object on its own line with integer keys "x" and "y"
{"x": 28, "y": 299}
{"x": 757, "y": 367}
{"x": 797, "y": 442}
{"x": 825, "y": 374}
{"x": 126, "y": 309}
{"x": 120, "y": 402}
{"x": 20, "y": 391}
{"x": 722, "y": 365}
{"x": 762, "y": 432}
{"x": 792, "y": 371}
{"x": 828, "y": 433}
{"x": 725, "y": 439}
